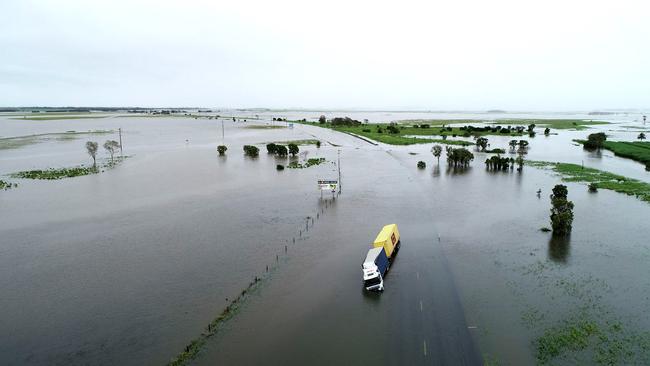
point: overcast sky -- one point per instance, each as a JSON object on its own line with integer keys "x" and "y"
{"x": 470, "y": 55}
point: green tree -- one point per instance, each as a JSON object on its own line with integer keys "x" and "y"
{"x": 222, "y": 149}
{"x": 513, "y": 144}
{"x": 322, "y": 119}
{"x": 595, "y": 141}
{"x": 318, "y": 144}
{"x": 293, "y": 149}
{"x": 271, "y": 148}
{"x": 481, "y": 142}
{"x": 92, "y": 147}
{"x": 437, "y": 151}
{"x": 561, "y": 211}
{"x": 520, "y": 162}
{"x": 641, "y": 136}
{"x": 281, "y": 150}
{"x": 251, "y": 150}
{"x": 547, "y": 131}
{"x": 111, "y": 146}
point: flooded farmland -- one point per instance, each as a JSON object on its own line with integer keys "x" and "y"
{"x": 130, "y": 265}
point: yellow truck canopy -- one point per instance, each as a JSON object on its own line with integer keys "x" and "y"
{"x": 388, "y": 238}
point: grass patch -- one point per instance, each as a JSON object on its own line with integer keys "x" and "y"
{"x": 573, "y": 336}
{"x": 264, "y": 127}
{"x": 307, "y": 164}
{"x": 635, "y": 150}
{"x": 54, "y": 174}
{"x": 560, "y": 124}
{"x": 438, "y": 122}
{"x": 601, "y": 179}
{"x": 20, "y": 141}
{"x": 4, "y": 185}
{"x": 60, "y": 173}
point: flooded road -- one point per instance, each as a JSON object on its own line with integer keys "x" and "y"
{"x": 128, "y": 266}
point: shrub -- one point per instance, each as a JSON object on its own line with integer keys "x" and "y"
{"x": 421, "y": 164}
{"x": 424, "y": 126}
{"x": 279, "y": 167}
{"x": 366, "y": 130}
{"x": 595, "y": 140}
{"x": 281, "y": 150}
{"x": 318, "y": 144}
{"x": 392, "y": 129}
{"x": 222, "y": 149}
{"x": 322, "y": 119}
{"x": 293, "y": 149}
{"x": 251, "y": 150}
{"x": 271, "y": 148}
{"x": 593, "y": 187}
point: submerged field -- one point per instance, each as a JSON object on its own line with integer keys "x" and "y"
{"x": 179, "y": 252}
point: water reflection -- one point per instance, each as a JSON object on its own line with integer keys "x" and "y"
{"x": 436, "y": 170}
{"x": 559, "y": 248}
{"x": 457, "y": 170}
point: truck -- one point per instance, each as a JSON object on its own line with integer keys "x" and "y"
{"x": 374, "y": 268}
{"x": 380, "y": 257}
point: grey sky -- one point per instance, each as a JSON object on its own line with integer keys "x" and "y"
{"x": 517, "y": 55}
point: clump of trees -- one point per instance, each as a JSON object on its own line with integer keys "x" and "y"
{"x": 523, "y": 147}
{"x": 520, "y": 162}
{"x": 593, "y": 187}
{"x": 392, "y": 129}
{"x": 513, "y": 144}
{"x": 496, "y": 162}
{"x": 344, "y": 121}
{"x": 421, "y": 164}
{"x": 561, "y": 211}
{"x": 293, "y": 149}
{"x": 482, "y": 143}
{"x": 436, "y": 150}
{"x": 92, "y": 147}
{"x": 322, "y": 119}
{"x": 460, "y": 157}
{"x": 222, "y": 149}
{"x": 111, "y": 146}
{"x": 595, "y": 141}
{"x": 531, "y": 130}
{"x": 251, "y": 151}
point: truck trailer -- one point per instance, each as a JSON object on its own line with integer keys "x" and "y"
{"x": 380, "y": 257}
{"x": 388, "y": 238}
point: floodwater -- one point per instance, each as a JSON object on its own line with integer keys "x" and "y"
{"x": 126, "y": 267}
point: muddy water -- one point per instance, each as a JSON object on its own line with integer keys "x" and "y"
{"x": 127, "y": 266}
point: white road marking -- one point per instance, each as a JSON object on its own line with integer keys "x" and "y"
{"x": 420, "y": 305}
{"x": 425, "y": 348}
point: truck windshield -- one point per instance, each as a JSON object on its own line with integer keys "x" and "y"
{"x": 372, "y": 281}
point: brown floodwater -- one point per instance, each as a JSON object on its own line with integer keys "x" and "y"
{"x": 126, "y": 267}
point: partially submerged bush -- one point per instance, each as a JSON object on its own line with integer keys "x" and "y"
{"x": 421, "y": 164}
{"x": 222, "y": 149}
{"x": 251, "y": 150}
{"x": 271, "y": 148}
{"x": 279, "y": 167}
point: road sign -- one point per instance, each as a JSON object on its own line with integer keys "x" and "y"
{"x": 328, "y": 185}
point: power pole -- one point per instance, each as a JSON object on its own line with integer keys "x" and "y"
{"x": 120, "y": 131}
{"x": 223, "y": 134}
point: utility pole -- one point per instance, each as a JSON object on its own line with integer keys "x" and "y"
{"x": 222, "y": 133}
{"x": 120, "y": 131}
